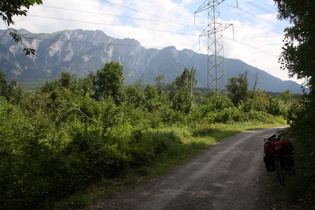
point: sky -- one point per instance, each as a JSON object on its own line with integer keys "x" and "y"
{"x": 255, "y": 36}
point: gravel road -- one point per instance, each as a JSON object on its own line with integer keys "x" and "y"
{"x": 227, "y": 175}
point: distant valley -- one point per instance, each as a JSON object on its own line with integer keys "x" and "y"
{"x": 81, "y": 52}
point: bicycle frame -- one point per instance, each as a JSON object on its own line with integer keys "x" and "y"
{"x": 279, "y": 170}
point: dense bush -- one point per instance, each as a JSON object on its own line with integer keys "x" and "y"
{"x": 301, "y": 117}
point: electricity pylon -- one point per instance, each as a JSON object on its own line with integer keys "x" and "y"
{"x": 216, "y": 73}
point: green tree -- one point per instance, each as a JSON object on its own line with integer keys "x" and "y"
{"x": 182, "y": 91}
{"x": 151, "y": 97}
{"x": 259, "y": 101}
{"x": 217, "y": 101}
{"x": 133, "y": 95}
{"x": 286, "y": 96}
{"x": 109, "y": 82}
{"x": 159, "y": 83}
{"x": 299, "y": 37}
{"x": 9, "y": 9}
{"x": 65, "y": 79}
{"x": 187, "y": 80}
{"x": 3, "y": 85}
{"x": 297, "y": 57}
{"x": 150, "y": 92}
{"x": 10, "y": 90}
{"x": 85, "y": 85}
{"x": 238, "y": 88}
{"x": 49, "y": 86}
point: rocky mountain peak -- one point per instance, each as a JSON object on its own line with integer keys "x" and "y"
{"x": 81, "y": 52}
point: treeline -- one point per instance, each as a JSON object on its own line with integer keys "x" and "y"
{"x": 71, "y": 132}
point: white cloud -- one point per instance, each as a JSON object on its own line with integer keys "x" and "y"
{"x": 158, "y": 24}
{"x": 256, "y": 45}
{"x": 55, "y": 15}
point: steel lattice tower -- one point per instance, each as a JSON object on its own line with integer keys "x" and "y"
{"x": 216, "y": 73}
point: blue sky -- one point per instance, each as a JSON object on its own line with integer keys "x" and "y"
{"x": 157, "y": 24}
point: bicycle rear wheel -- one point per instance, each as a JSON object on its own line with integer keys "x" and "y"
{"x": 280, "y": 172}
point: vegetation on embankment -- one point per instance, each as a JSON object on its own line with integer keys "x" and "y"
{"x": 74, "y": 132}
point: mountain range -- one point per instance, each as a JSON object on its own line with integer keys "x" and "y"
{"x": 81, "y": 52}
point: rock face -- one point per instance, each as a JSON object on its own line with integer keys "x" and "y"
{"x": 82, "y": 52}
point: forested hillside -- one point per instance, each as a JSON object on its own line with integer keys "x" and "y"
{"x": 72, "y": 132}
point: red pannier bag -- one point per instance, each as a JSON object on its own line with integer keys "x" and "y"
{"x": 283, "y": 148}
{"x": 269, "y": 157}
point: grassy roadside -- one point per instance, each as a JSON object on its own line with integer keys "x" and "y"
{"x": 194, "y": 141}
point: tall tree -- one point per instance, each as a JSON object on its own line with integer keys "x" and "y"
{"x": 65, "y": 79}
{"x": 255, "y": 81}
{"x": 3, "y": 85}
{"x": 187, "y": 80}
{"x": 134, "y": 95}
{"x": 181, "y": 95}
{"x": 10, "y": 90}
{"x": 299, "y": 46}
{"x": 109, "y": 81}
{"x": 298, "y": 57}
{"x": 238, "y": 88}
{"x": 159, "y": 83}
{"x": 9, "y": 9}
{"x": 151, "y": 97}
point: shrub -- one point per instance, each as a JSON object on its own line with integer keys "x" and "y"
{"x": 231, "y": 114}
{"x": 147, "y": 146}
{"x": 259, "y": 116}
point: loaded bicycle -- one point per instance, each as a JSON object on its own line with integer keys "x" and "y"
{"x": 278, "y": 157}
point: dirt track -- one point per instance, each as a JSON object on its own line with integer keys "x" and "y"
{"x": 227, "y": 175}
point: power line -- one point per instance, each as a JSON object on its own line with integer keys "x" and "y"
{"x": 271, "y": 7}
{"x": 149, "y": 14}
{"x": 98, "y": 23}
{"x": 255, "y": 18}
{"x": 251, "y": 46}
{"x": 112, "y": 15}
{"x": 257, "y": 6}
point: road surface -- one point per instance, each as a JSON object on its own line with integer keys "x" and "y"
{"x": 227, "y": 175}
